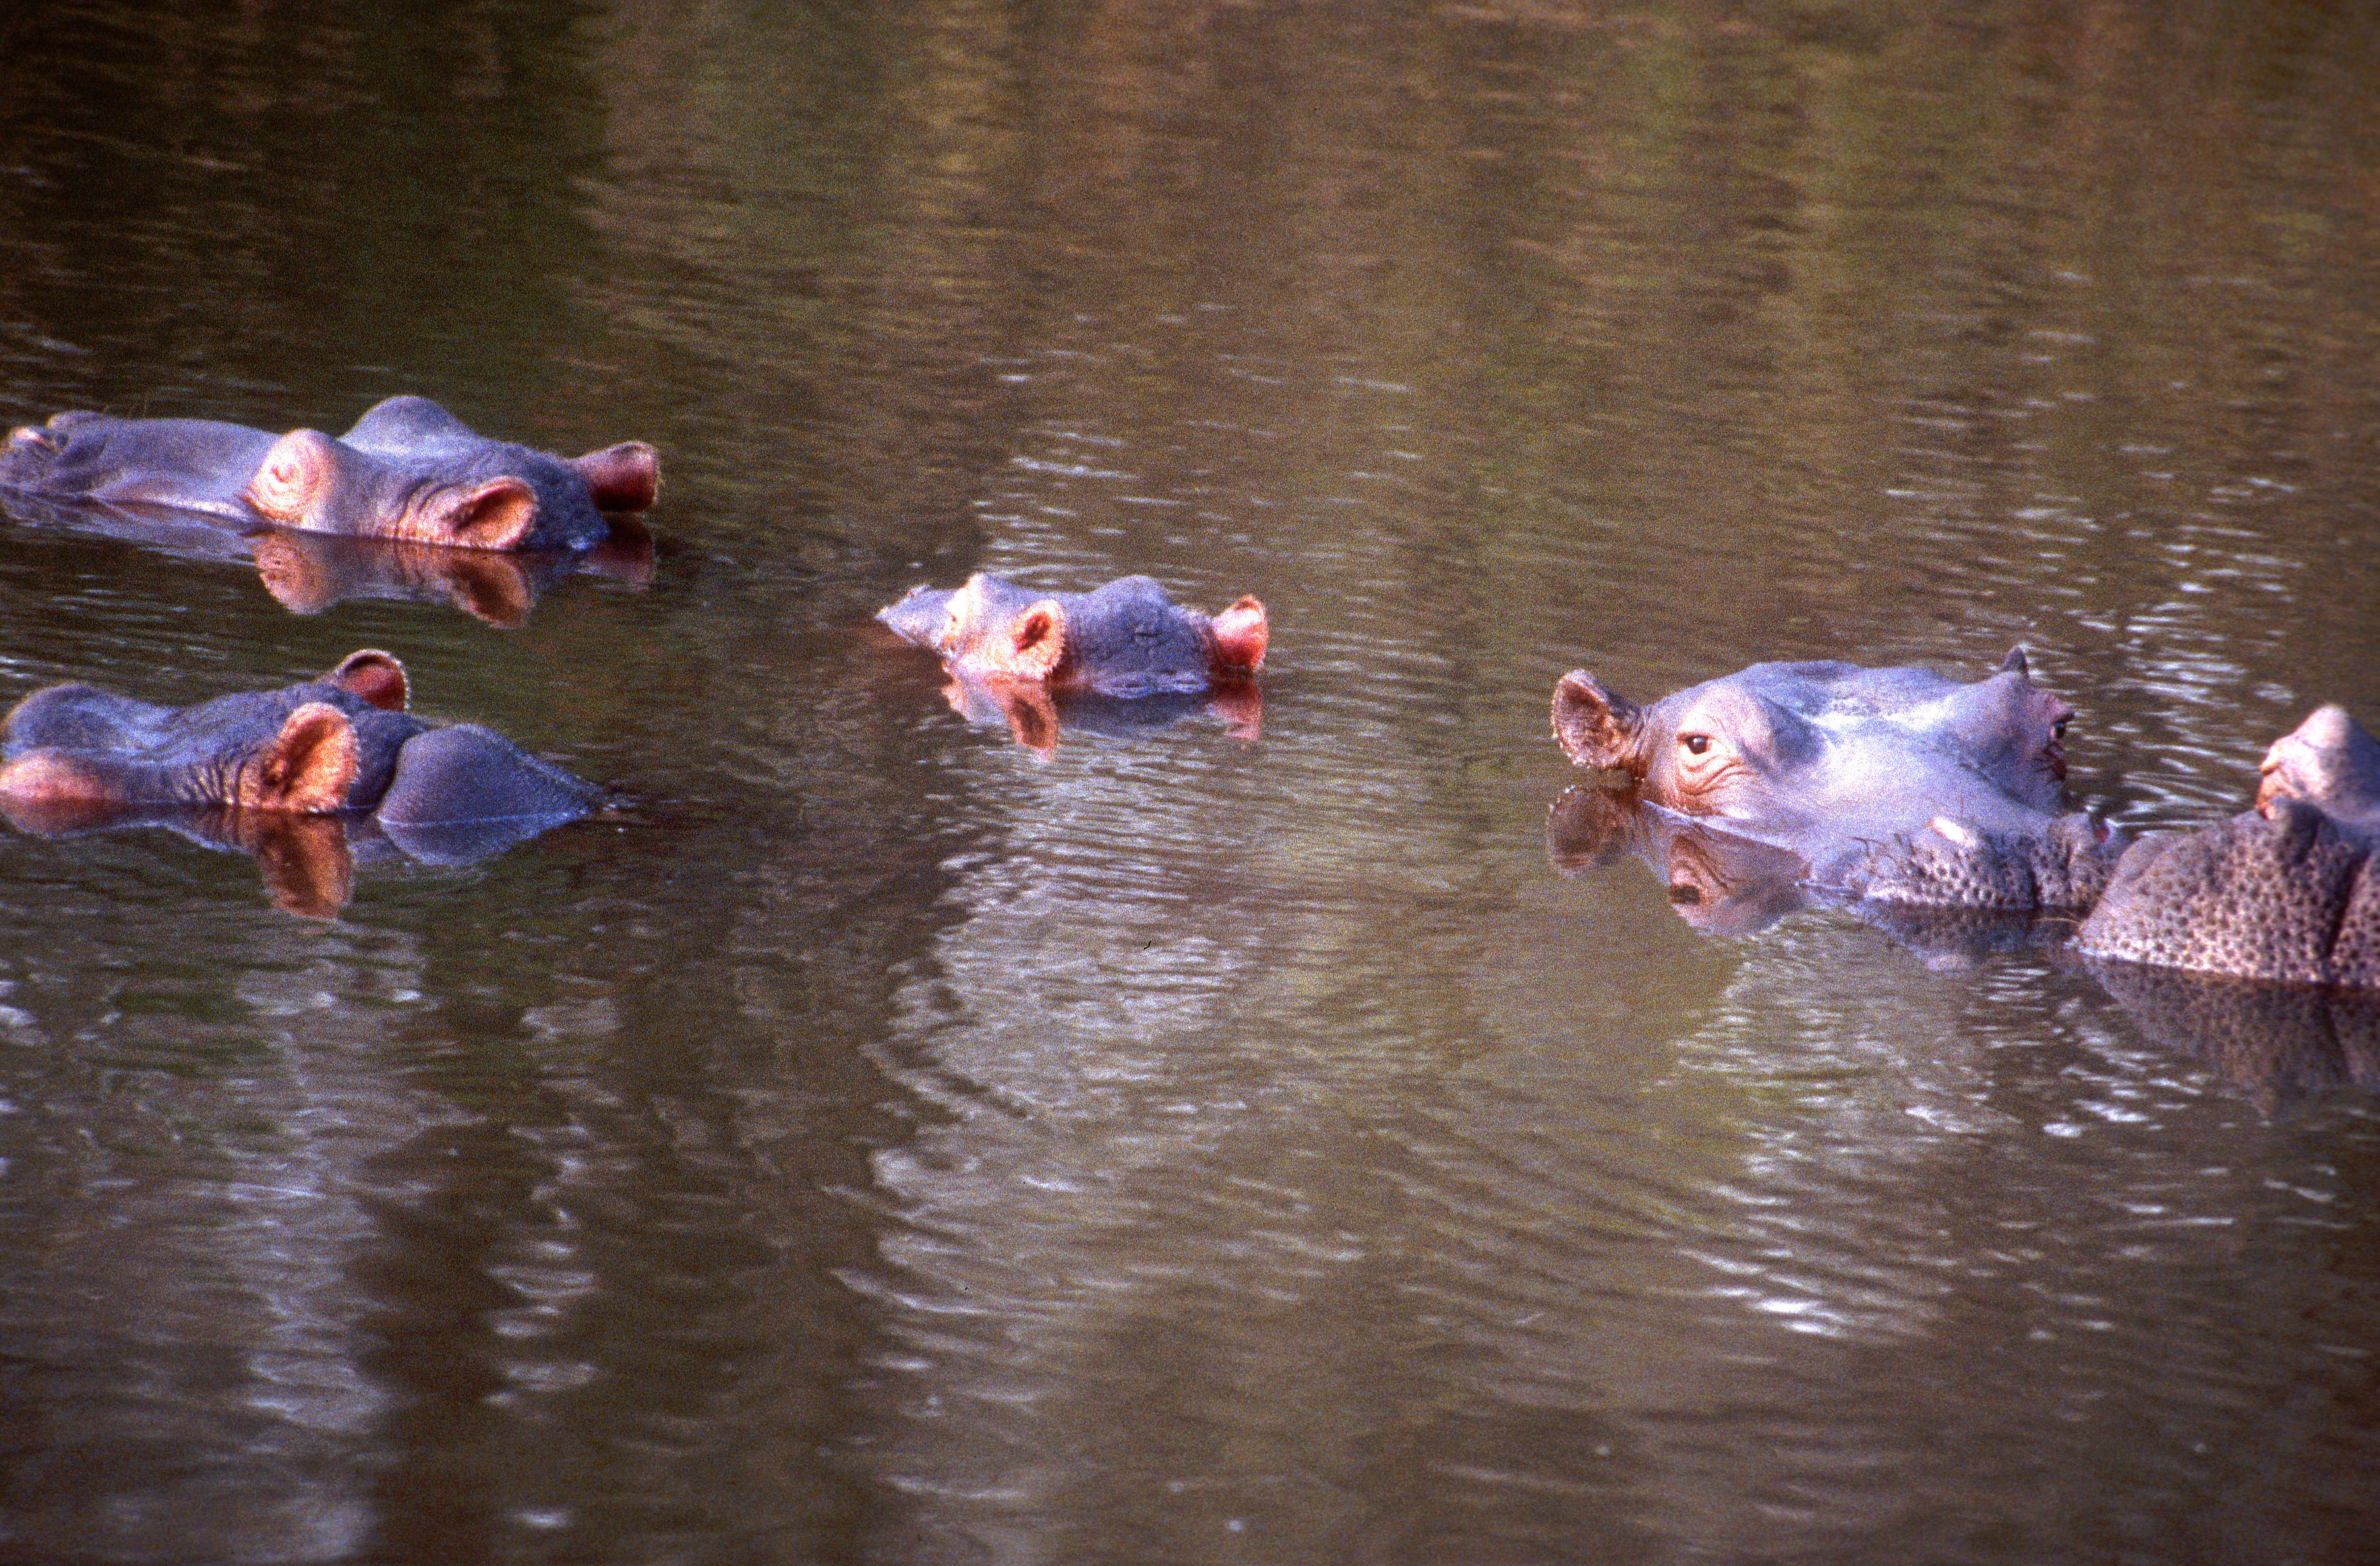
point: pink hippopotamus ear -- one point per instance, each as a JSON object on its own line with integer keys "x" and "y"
{"x": 500, "y": 513}
{"x": 1036, "y": 641}
{"x": 375, "y": 675}
{"x": 623, "y": 477}
{"x": 1597, "y": 727}
{"x": 309, "y": 767}
{"x": 1241, "y": 637}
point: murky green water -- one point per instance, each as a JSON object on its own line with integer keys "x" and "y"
{"x": 1234, "y": 1138}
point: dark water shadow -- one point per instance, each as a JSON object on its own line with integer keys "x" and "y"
{"x": 2275, "y": 1043}
{"x": 307, "y": 863}
{"x": 309, "y": 572}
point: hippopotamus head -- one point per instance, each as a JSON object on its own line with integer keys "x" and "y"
{"x": 407, "y": 470}
{"x": 75, "y": 755}
{"x": 410, "y": 469}
{"x": 1126, "y": 638}
{"x": 1790, "y": 752}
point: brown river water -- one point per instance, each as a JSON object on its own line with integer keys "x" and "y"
{"x": 1196, "y": 1136}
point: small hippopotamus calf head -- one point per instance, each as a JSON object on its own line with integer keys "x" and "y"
{"x": 1126, "y": 638}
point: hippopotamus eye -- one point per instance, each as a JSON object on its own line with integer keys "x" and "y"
{"x": 1695, "y": 743}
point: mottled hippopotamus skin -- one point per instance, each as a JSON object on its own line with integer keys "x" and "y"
{"x": 408, "y": 469}
{"x": 1829, "y": 759}
{"x": 2287, "y": 890}
{"x": 74, "y": 756}
{"x": 1125, "y": 639}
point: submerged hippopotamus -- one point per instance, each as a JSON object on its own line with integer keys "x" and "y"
{"x": 1828, "y": 759}
{"x": 408, "y": 469}
{"x": 74, "y": 756}
{"x": 2285, "y": 890}
{"x": 1125, "y": 639}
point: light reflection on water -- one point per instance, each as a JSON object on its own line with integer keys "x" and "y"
{"x": 1189, "y": 1140}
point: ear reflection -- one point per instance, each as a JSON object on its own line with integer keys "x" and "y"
{"x": 304, "y": 860}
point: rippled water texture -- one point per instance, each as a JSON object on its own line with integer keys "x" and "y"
{"x": 1195, "y": 1134}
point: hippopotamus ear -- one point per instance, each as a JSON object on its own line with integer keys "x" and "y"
{"x": 500, "y": 513}
{"x": 1037, "y": 640}
{"x": 375, "y": 675}
{"x": 1596, "y": 727}
{"x": 2014, "y": 663}
{"x": 1240, "y": 637}
{"x": 309, "y": 767}
{"x": 294, "y": 478}
{"x": 623, "y": 477}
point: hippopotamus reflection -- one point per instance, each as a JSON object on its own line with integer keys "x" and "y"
{"x": 1828, "y": 759}
{"x": 1125, "y": 639}
{"x": 2285, "y": 890}
{"x": 307, "y": 863}
{"x": 310, "y": 572}
{"x": 408, "y": 469}
{"x": 1728, "y": 886}
{"x": 341, "y": 747}
{"x": 1036, "y": 716}
{"x": 2275, "y": 1041}
{"x": 1719, "y": 883}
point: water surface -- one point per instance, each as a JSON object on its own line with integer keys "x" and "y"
{"x": 1219, "y": 1136}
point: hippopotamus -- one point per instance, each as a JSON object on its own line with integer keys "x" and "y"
{"x": 1125, "y": 639}
{"x": 74, "y": 756}
{"x": 408, "y": 469}
{"x": 1828, "y": 759}
{"x": 2285, "y": 890}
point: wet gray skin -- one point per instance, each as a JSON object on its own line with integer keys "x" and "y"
{"x": 74, "y": 755}
{"x": 408, "y": 469}
{"x": 1126, "y": 638}
{"x": 2283, "y": 891}
{"x": 1831, "y": 759}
